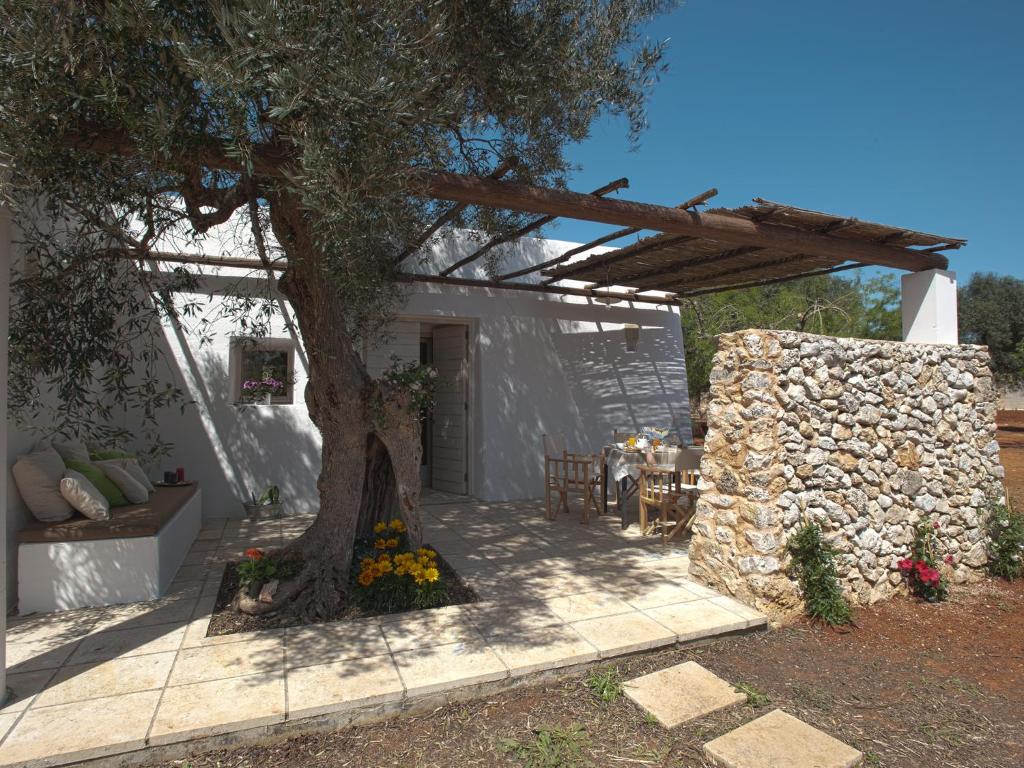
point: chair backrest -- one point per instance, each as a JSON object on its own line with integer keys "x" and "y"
{"x": 689, "y": 457}
{"x": 554, "y": 445}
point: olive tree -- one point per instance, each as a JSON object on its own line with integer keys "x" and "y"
{"x": 315, "y": 120}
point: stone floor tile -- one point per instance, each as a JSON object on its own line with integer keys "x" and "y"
{"x": 341, "y": 685}
{"x": 195, "y": 634}
{"x": 654, "y": 594}
{"x": 219, "y": 706}
{"x": 543, "y": 648}
{"x": 693, "y": 620}
{"x": 753, "y": 617}
{"x": 106, "y": 678}
{"x": 422, "y": 629}
{"x": 681, "y": 693}
{"x": 128, "y": 642}
{"x": 24, "y": 686}
{"x": 326, "y": 643}
{"x": 42, "y": 654}
{"x": 70, "y": 732}
{"x": 440, "y": 667}
{"x": 511, "y": 621}
{"x": 7, "y": 721}
{"x": 588, "y": 605}
{"x": 214, "y": 662}
{"x": 779, "y": 740}
{"x": 176, "y": 609}
{"x": 624, "y": 633}
{"x": 65, "y": 626}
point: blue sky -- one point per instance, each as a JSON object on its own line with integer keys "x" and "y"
{"x": 903, "y": 112}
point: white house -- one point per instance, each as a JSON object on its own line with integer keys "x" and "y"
{"x": 514, "y": 365}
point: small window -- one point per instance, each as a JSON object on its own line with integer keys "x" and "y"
{"x": 263, "y": 371}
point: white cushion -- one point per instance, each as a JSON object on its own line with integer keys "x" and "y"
{"x": 123, "y": 478}
{"x": 83, "y": 496}
{"x": 132, "y": 465}
{"x": 70, "y": 450}
{"x": 38, "y": 475}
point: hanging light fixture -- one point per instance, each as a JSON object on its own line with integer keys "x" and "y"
{"x": 632, "y": 331}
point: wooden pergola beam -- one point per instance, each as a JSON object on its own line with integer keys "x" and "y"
{"x": 526, "y": 229}
{"x": 700, "y": 199}
{"x": 450, "y": 215}
{"x": 726, "y": 229}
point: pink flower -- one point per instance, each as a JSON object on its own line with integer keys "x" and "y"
{"x": 948, "y": 559}
{"x": 905, "y": 564}
{"x": 935, "y": 525}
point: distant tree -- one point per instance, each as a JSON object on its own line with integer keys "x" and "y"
{"x": 992, "y": 313}
{"x": 826, "y": 304}
{"x": 314, "y": 121}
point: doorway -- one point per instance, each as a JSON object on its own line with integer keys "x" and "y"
{"x": 445, "y": 434}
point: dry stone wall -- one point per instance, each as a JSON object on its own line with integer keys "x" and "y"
{"x": 868, "y": 438}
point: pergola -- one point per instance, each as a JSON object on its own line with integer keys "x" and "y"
{"x": 692, "y": 252}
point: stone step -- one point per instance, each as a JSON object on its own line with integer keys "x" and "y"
{"x": 779, "y": 740}
{"x": 681, "y": 693}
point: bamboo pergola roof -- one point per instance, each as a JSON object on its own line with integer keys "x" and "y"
{"x": 689, "y": 265}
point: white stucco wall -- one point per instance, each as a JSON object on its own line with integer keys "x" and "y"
{"x": 541, "y": 363}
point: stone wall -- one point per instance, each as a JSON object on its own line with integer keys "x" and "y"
{"x": 868, "y": 438}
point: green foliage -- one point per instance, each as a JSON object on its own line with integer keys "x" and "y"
{"x": 270, "y": 495}
{"x": 992, "y": 313}
{"x": 605, "y": 684}
{"x": 755, "y": 698}
{"x": 552, "y": 748}
{"x": 826, "y": 304}
{"x": 413, "y": 382}
{"x": 311, "y": 121}
{"x": 1005, "y": 542}
{"x": 813, "y": 565}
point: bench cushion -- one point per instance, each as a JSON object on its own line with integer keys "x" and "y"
{"x": 127, "y": 522}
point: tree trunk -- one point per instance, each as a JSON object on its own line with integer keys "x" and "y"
{"x": 371, "y": 449}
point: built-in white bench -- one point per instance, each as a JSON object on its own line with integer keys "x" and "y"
{"x": 129, "y": 558}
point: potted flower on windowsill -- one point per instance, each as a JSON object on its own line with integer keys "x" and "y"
{"x": 264, "y": 389}
{"x": 265, "y": 506}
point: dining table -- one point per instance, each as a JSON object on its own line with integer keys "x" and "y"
{"x": 622, "y": 464}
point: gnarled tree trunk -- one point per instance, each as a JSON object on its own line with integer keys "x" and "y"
{"x": 371, "y": 448}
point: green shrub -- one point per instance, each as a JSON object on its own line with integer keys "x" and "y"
{"x": 1005, "y": 542}
{"x": 813, "y": 566}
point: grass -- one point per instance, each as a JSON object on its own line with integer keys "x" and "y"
{"x": 755, "y": 698}
{"x": 605, "y": 684}
{"x": 552, "y": 748}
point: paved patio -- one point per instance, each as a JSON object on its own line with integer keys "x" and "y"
{"x": 100, "y": 682}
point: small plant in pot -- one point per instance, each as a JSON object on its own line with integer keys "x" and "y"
{"x": 265, "y": 506}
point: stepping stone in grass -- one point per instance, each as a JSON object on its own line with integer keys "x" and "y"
{"x": 681, "y": 693}
{"x": 778, "y": 740}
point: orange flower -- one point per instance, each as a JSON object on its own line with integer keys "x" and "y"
{"x": 366, "y": 578}
{"x": 254, "y": 553}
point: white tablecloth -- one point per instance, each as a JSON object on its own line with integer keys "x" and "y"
{"x": 623, "y": 463}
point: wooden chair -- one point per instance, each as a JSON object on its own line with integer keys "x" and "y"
{"x": 672, "y": 492}
{"x": 564, "y": 472}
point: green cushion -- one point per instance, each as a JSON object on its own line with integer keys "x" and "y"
{"x": 103, "y": 483}
{"x": 108, "y": 455}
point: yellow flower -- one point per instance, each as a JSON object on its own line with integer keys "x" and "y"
{"x": 380, "y": 544}
{"x": 380, "y": 527}
{"x": 384, "y": 566}
{"x": 397, "y": 526}
{"x": 383, "y": 557}
{"x": 366, "y": 562}
{"x": 432, "y": 574}
{"x": 366, "y": 578}
{"x": 391, "y": 543}
{"x": 424, "y": 552}
{"x": 401, "y": 570}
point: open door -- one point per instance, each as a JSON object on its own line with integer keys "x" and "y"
{"x": 449, "y": 438}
